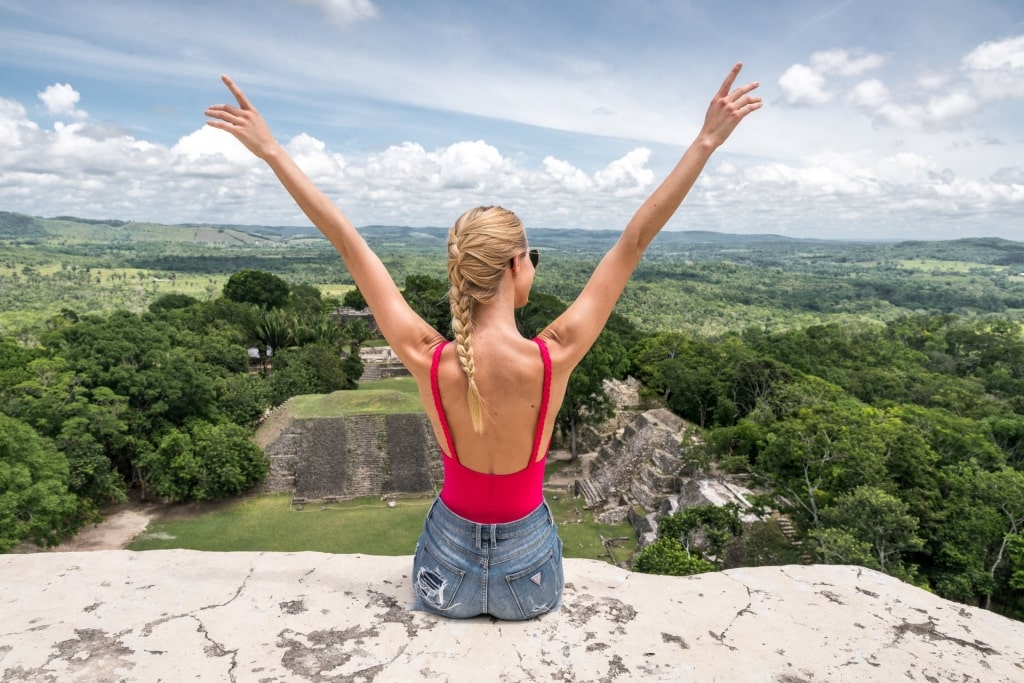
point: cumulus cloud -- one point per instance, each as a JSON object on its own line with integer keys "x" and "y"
{"x": 14, "y": 126}
{"x": 342, "y": 13}
{"x": 997, "y": 68}
{"x": 937, "y": 100}
{"x": 991, "y": 71}
{"x": 628, "y": 176}
{"x": 844, "y": 62}
{"x": 62, "y": 100}
{"x": 207, "y": 176}
{"x": 804, "y": 85}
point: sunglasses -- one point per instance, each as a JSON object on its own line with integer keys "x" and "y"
{"x": 534, "y": 257}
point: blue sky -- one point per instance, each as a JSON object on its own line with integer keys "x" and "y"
{"x": 883, "y": 118}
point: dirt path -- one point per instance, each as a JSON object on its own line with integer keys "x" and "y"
{"x": 113, "y": 533}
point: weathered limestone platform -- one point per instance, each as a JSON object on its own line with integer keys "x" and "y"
{"x": 183, "y": 615}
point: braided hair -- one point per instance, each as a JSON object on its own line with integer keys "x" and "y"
{"x": 480, "y": 246}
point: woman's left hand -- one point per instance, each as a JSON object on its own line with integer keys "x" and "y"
{"x": 243, "y": 121}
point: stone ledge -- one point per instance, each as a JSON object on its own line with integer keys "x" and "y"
{"x": 175, "y": 615}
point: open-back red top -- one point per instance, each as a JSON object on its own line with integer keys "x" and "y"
{"x": 492, "y": 498}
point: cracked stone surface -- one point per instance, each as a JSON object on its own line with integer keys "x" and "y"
{"x": 273, "y": 617}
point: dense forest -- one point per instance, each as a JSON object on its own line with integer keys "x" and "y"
{"x": 877, "y": 390}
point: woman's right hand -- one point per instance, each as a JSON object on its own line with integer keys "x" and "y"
{"x": 244, "y": 122}
{"x": 728, "y": 108}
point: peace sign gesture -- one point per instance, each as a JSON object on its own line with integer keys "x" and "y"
{"x": 728, "y": 108}
{"x": 243, "y": 121}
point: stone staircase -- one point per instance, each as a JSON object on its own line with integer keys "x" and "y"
{"x": 593, "y": 493}
{"x": 790, "y": 532}
{"x": 371, "y": 372}
{"x": 659, "y": 479}
{"x": 367, "y": 455}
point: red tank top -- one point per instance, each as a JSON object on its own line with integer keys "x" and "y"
{"x": 492, "y": 498}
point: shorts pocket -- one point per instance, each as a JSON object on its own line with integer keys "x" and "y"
{"x": 435, "y": 582}
{"x": 538, "y": 589}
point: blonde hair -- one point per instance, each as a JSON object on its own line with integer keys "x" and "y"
{"x": 480, "y": 246}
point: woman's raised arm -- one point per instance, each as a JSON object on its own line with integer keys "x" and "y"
{"x": 407, "y": 333}
{"x": 575, "y": 331}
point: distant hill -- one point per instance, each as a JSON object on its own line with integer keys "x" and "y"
{"x": 565, "y": 241}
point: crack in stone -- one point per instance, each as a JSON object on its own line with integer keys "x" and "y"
{"x": 147, "y": 630}
{"x": 720, "y": 637}
{"x": 215, "y": 649}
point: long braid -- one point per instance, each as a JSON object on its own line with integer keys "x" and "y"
{"x": 462, "y": 325}
{"x": 480, "y": 245}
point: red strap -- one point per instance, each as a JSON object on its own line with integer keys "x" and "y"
{"x": 544, "y": 397}
{"x": 437, "y": 398}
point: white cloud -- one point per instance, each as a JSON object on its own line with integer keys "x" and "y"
{"x": 342, "y": 13}
{"x": 628, "y": 176}
{"x": 844, "y": 62}
{"x": 207, "y": 175}
{"x": 870, "y": 94}
{"x": 14, "y": 126}
{"x": 567, "y": 175}
{"x": 997, "y": 68}
{"x": 61, "y": 99}
{"x": 207, "y": 142}
{"x": 806, "y": 85}
{"x": 938, "y": 100}
{"x": 471, "y": 165}
{"x": 802, "y": 85}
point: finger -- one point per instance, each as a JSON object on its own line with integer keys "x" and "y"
{"x": 243, "y": 101}
{"x": 224, "y": 113}
{"x": 727, "y": 83}
{"x": 743, "y": 90}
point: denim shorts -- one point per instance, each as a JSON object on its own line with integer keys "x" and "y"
{"x": 509, "y": 571}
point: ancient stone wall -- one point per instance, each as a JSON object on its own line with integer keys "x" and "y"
{"x": 354, "y": 456}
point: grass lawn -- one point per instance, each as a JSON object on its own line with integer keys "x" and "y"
{"x": 396, "y": 395}
{"x": 271, "y": 523}
{"x": 365, "y": 525}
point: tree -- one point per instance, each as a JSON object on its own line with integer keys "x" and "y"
{"x": 586, "y": 401}
{"x": 86, "y": 425}
{"x": 305, "y": 301}
{"x": 1003, "y": 490}
{"x": 354, "y": 299}
{"x": 667, "y": 556}
{"x": 1015, "y": 547}
{"x": 34, "y": 498}
{"x": 312, "y": 369}
{"x": 842, "y": 546}
{"x": 878, "y": 519}
{"x": 243, "y": 398}
{"x": 428, "y": 296}
{"x": 207, "y": 461}
{"x": 172, "y": 301}
{"x": 820, "y": 448}
{"x": 355, "y": 333}
{"x": 705, "y": 529}
{"x": 258, "y": 287}
{"x": 275, "y": 330}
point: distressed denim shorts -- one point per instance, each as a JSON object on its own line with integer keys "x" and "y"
{"x": 509, "y": 571}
